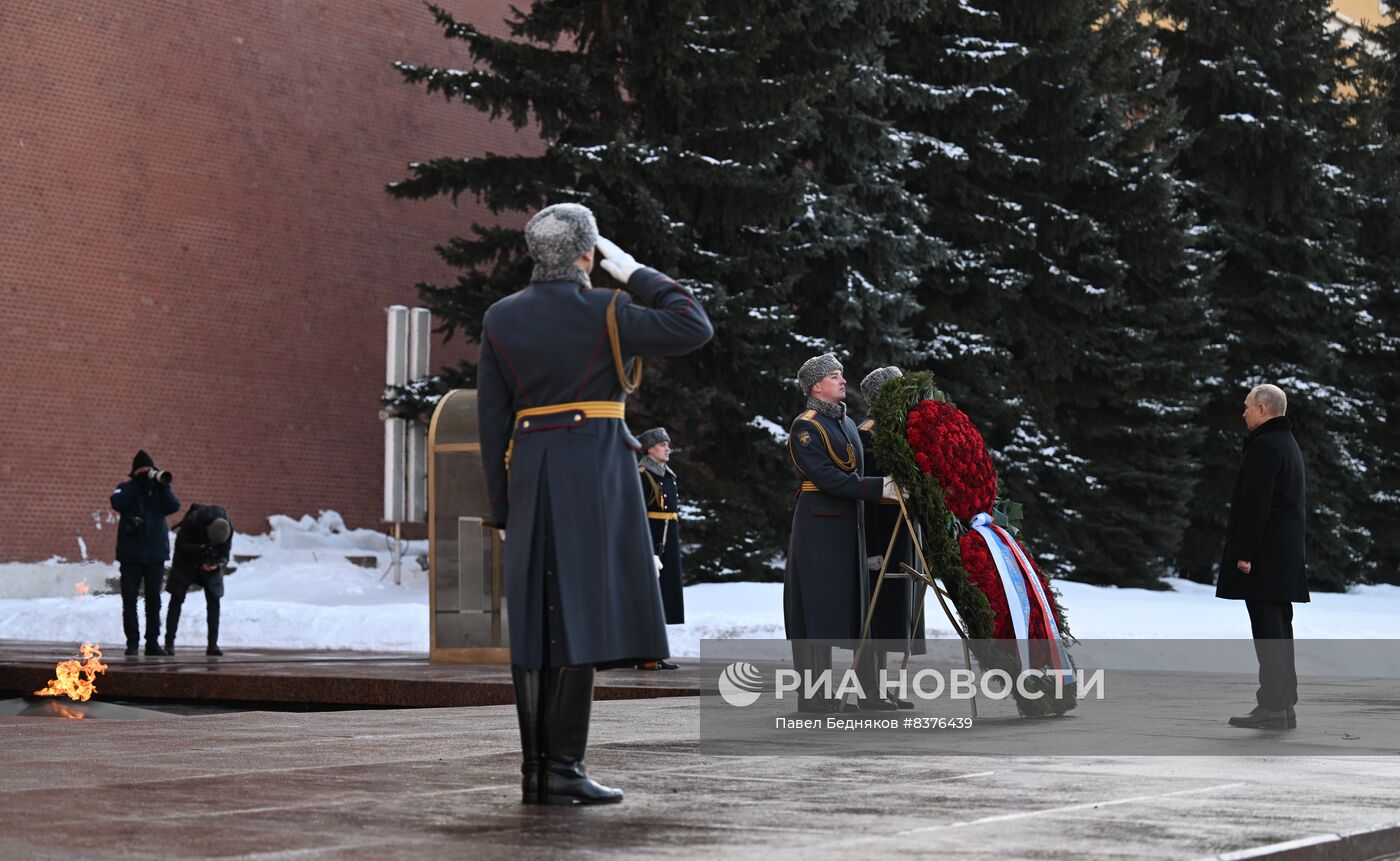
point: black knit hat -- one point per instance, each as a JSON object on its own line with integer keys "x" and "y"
{"x": 141, "y": 459}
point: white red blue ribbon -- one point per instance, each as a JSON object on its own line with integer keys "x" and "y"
{"x": 1015, "y": 570}
{"x": 1012, "y": 585}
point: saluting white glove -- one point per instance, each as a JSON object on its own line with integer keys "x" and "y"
{"x": 656, "y": 560}
{"x": 891, "y": 490}
{"x": 616, "y": 262}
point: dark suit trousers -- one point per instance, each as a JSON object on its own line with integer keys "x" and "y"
{"x": 1272, "y": 624}
{"x": 135, "y": 577}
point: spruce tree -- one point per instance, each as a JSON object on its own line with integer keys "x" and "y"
{"x": 1262, "y": 115}
{"x": 1377, "y": 166}
{"x": 863, "y": 228}
{"x": 1063, "y": 322}
{"x": 678, "y": 123}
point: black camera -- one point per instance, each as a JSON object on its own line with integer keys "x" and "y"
{"x": 160, "y": 476}
{"x": 132, "y": 525}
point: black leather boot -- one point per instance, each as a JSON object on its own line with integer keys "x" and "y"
{"x": 568, "y": 703}
{"x": 527, "y": 710}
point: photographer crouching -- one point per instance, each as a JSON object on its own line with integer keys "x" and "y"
{"x": 143, "y": 545}
{"x": 202, "y": 543}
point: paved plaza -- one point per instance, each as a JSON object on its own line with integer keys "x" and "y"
{"x": 443, "y": 783}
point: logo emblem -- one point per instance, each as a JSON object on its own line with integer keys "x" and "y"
{"x": 805, "y": 438}
{"x": 740, "y": 684}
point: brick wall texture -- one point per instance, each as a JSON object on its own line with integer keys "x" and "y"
{"x": 196, "y": 250}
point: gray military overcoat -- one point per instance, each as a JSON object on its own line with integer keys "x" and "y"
{"x": 826, "y": 587}
{"x": 580, "y": 584}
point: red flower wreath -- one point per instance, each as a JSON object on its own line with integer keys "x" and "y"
{"x": 947, "y": 446}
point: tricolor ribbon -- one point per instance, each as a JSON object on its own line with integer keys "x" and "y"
{"x": 1015, "y": 571}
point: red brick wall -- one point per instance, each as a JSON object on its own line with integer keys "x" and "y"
{"x": 196, "y": 248}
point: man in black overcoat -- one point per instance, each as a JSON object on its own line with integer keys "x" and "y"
{"x": 1264, "y": 560}
{"x": 826, "y": 587}
{"x": 561, "y": 474}
{"x": 662, "y": 496}
{"x": 894, "y": 607}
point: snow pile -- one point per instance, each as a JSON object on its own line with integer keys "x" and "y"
{"x": 304, "y": 592}
{"x": 301, "y": 592}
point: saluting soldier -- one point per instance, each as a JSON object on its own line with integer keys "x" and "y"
{"x": 556, "y": 362}
{"x": 663, "y": 505}
{"x": 826, "y": 588}
{"x": 894, "y": 608}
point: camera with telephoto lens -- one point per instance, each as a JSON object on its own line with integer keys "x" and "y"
{"x": 159, "y": 476}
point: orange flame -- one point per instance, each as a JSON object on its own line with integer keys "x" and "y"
{"x": 69, "y": 683}
{"x": 80, "y": 589}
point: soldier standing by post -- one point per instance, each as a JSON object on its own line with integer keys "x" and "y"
{"x": 557, "y": 360}
{"x": 894, "y": 608}
{"x": 826, "y": 587}
{"x": 663, "y": 503}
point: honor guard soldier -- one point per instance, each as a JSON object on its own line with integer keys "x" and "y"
{"x": 663, "y": 503}
{"x": 557, "y": 361}
{"x": 894, "y": 608}
{"x": 826, "y": 589}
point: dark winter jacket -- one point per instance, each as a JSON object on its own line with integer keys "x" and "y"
{"x": 193, "y": 550}
{"x": 1268, "y": 519}
{"x": 589, "y": 595}
{"x": 826, "y": 587}
{"x": 142, "y": 534}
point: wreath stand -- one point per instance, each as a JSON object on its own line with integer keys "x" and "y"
{"x": 926, "y": 582}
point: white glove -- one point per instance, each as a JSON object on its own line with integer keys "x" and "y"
{"x": 656, "y": 560}
{"x": 503, "y": 535}
{"x": 874, "y": 562}
{"x": 889, "y": 490}
{"x": 616, "y": 262}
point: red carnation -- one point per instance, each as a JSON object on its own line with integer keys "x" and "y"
{"x": 947, "y": 446}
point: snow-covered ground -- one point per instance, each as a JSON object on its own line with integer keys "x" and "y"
{"x": 302, "y": 592}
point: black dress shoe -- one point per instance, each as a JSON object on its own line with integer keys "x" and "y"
{"x": 1292, "y": 718}
{"x": 1262, "y": 718}
{"x": 213, "y": 651}
{"x": 819, "y": 706}
{"x": 153, "y": 650}
{"x": 879, "y": 705}
{"x": 904, "y": 704}
{"x": 170, "y": 648}
{"x": 569, "y": 783}
{"x": 133, "y": 650}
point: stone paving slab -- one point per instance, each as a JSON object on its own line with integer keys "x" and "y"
{"x": 443, "y": 783}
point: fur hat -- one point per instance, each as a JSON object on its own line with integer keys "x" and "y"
{"x": 649, "y": 438}
{"x": 557, "y": 236}
{"x": 870, "y": 386}
{"x": 815, "y": 369}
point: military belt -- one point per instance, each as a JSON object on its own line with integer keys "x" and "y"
{"x": 573, "y": 414}
{"x": 663, "y": 515}
{"x": 570, "y": 415}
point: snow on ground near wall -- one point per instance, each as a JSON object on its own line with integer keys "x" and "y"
{"x": 302, "y": 593}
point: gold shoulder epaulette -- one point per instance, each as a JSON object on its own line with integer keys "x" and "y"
{"x": 867, "y": 425}
{"x": 809, "y": 415}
